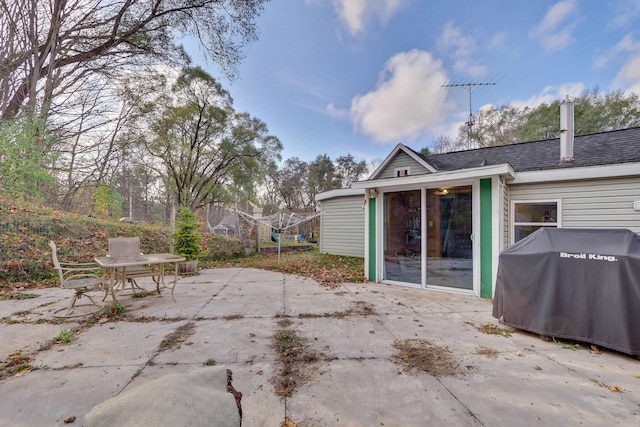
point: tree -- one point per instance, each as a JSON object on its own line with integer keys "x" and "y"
{"x": 186, "y": 239}
{"x": 348, "y": 170}
{"x": 291, "y": 184}
{"x": 425, "y": 151}
{"x": 497, "y": 126}
{"x": 593, "y": 113}
{"x": 322, "y": 175}
{"x": 446, "y": 144}
{"x": 107, "y": 202}
{"x": 47, "y": 46}
{"x": 201, "y": 146}
{"x": 24, "y": 166}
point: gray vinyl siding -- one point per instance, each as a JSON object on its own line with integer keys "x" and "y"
{"x": 402, "y": 160}
{"x": 589, "y": 203}
{"x": 505, "y": 216}
{"x": 342, "y": 226}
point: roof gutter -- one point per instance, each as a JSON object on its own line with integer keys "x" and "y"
{"x": 577, "y": 173}
{"x": 505, "y": 170}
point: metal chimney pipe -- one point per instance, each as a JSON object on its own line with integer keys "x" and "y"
{"x": 566, "y": 131}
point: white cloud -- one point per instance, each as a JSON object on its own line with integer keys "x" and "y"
{"x": 355, "y": 14}
{"x": 623, "y": 47}
{"x": 460, "y": 48}
{"x": 624, "y": 13}
{"x": 498, "y": 41}
{"x": 625, "y": 55}
{"x": 629, "y": 76}
{"x": 466, "y": 66}
{"x": 338, "y": 113}
{"x": 407, "y": 101}
{"x": 555, "y": 31}
{"x": 550, "y": 94}
{"x": 452, "y": 38}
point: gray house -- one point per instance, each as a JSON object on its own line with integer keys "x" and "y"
{"x": 440, "y": 221}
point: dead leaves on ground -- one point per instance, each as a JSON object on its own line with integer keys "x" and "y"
{"x": 423, "y": 356}
{"x": 612, "y": 388}
{"x": 177, "y": 337}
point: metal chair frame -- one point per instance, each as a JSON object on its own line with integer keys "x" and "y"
{"x": 81, "y": 278}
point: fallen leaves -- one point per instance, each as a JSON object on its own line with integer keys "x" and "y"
{"x": 180, "y": 335}
{"x": 612, "y": 388}
{"x": 423, "y": 356}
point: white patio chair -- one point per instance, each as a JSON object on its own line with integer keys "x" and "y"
{"x": 81, "y": 278}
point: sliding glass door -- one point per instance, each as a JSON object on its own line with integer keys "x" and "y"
{"x": 402, "y": 237}
{"x": 449, "y": 245}
{"x": 447, "y": 230}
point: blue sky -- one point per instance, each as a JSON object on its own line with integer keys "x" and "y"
{"x": 359, "y": 76}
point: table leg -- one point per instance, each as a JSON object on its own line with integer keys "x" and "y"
{"x": 161, "y": 280}
{"x": 175, "y": 280}
{"x": 112, "y": 285}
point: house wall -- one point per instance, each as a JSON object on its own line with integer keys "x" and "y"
{"x": 342, "y": 226}
{"x": 402, "y": 160}
{"x": 505, "y": 216}
{"x": 588, "y": 203}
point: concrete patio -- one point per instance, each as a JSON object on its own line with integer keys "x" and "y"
{"x": 232, "y": 317}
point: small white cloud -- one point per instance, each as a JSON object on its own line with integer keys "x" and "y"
{"x": 465, "y": 66}
{"x": 555, "y": 16}
{"x": 625, "y": 56}
{"x": 498, "y": 41}
{"x": 338, "y": 113}
{"x": 452, "y": 39}
{"x": 355, "y": 14}
{"x": 625, "y": 45}
{"x": 460, "y": 48}
{"x": 624, "y": 13}
{"x": 557, "y": 41}
{"x": 555, "y": 31}
{"x": 550, "y": 94}
{"x": 628, "y": 78}
{"x": 407, "y": 100}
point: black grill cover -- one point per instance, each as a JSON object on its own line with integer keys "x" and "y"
{"x": 579, "y": 284}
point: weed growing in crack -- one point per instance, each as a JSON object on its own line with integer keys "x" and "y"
{"x": 180, "y": 335}
{"x": 20, "y": 295}
{"x": 136, "y": 375}
{"x": 22, "y": 367}
{"x": 294, "y": 357}
{"x": 65, "y": 336}
{"x": 116, "y": 309}
{"x": 360, "y": 308}
{"x": 209, "y": 362}
{"x": 143, "y": 294}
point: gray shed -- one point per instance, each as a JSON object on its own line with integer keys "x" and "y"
{"x": 342, "y": 222}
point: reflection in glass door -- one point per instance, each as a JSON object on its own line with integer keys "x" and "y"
{"x": 402, "y": 237}
{"x": 449, "y": 246}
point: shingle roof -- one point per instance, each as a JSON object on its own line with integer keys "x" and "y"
{"x": 607, "y": 148}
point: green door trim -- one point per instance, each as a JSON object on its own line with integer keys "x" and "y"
{"x": 372, "y": 240}
{"x": 486, "y": 239}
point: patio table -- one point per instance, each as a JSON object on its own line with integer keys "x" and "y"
{"x": 155, "y": 261}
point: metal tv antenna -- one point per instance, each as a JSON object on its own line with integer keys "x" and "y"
{"x": 471, "y": 120}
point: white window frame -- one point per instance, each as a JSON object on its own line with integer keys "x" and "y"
{"x": 512, "y": 228}
{"x": 402, "y": 171}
